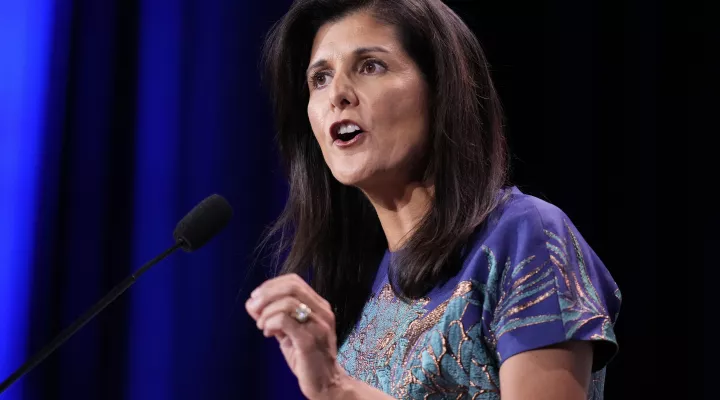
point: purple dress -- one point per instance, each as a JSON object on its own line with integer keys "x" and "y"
{"x": 528, "y": 280}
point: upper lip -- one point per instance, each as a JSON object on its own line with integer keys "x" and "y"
{"x": 335, "y": 127}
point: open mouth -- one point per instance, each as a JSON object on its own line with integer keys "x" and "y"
{"x": 345, "y": 131}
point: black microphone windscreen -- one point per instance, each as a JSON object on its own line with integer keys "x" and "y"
{"x": 206, "y": 220}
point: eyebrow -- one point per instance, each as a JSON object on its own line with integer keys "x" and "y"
{"x": 358, "y": 52}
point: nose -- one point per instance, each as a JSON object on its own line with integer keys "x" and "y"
{"x": 342, "y": 93}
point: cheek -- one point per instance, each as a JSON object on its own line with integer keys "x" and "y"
{"x": 316, "y": 118}
{"x": 404, "y": 109}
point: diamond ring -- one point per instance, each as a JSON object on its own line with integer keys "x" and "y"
{"x": 302, "y": 313}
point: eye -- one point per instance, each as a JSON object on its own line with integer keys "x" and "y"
{"x": 320, "y": 79}
{"x": 372, "y": 66}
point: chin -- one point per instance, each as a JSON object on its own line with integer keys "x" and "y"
{"x": 348, "y": 180}
{"x": 351, "y": 177}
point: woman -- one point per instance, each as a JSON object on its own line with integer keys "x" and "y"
{"x": 433, "y": 278}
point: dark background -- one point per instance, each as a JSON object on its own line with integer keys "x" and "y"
{"x": 149, "y": 106}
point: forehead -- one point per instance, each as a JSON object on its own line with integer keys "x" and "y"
{"x": 358, "y": 29}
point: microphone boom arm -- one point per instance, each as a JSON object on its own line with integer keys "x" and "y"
{"x": 84, "y": 319}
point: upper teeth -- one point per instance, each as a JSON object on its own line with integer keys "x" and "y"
{"x": 348, "y": 128}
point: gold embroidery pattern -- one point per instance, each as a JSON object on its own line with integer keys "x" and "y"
{"x": 416, "y": 358}
{"x": 510, "y": 292}
{"x": 579, "y": 300}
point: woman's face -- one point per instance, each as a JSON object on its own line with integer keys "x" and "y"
{"x": 368, "y": 102}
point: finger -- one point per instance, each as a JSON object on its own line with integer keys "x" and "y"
{"x": 251, "y": 307}
{"x": 290, "y": 285}
{"x": 303, "y": 336}
{"x": 259, "y": 299}
{"x": 285, "y": 305}
{"x": 317, "y": 329}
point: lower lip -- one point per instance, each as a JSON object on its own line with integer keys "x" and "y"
{"x": 342, "y": 144}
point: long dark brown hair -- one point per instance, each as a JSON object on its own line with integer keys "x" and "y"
{"x": 330, "y": 232}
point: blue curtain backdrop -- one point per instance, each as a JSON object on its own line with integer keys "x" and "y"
{"x": 116, "y": 118}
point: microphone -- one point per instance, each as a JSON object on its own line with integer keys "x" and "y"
{"x": 200, "y": 225}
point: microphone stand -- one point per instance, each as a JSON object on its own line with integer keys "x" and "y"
{"x": 85, "y": 318}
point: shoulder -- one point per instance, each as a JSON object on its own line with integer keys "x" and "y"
{"x": 521, "y": 223}
{"x": 528, "y": 230}
{"x": 520, "y": 212}
{"x": 519, "y": 228}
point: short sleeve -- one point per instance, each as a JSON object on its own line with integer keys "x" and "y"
{"x": 550, "y": 287}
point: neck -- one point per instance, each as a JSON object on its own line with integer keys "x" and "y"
{"x": 400, "y": 209}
